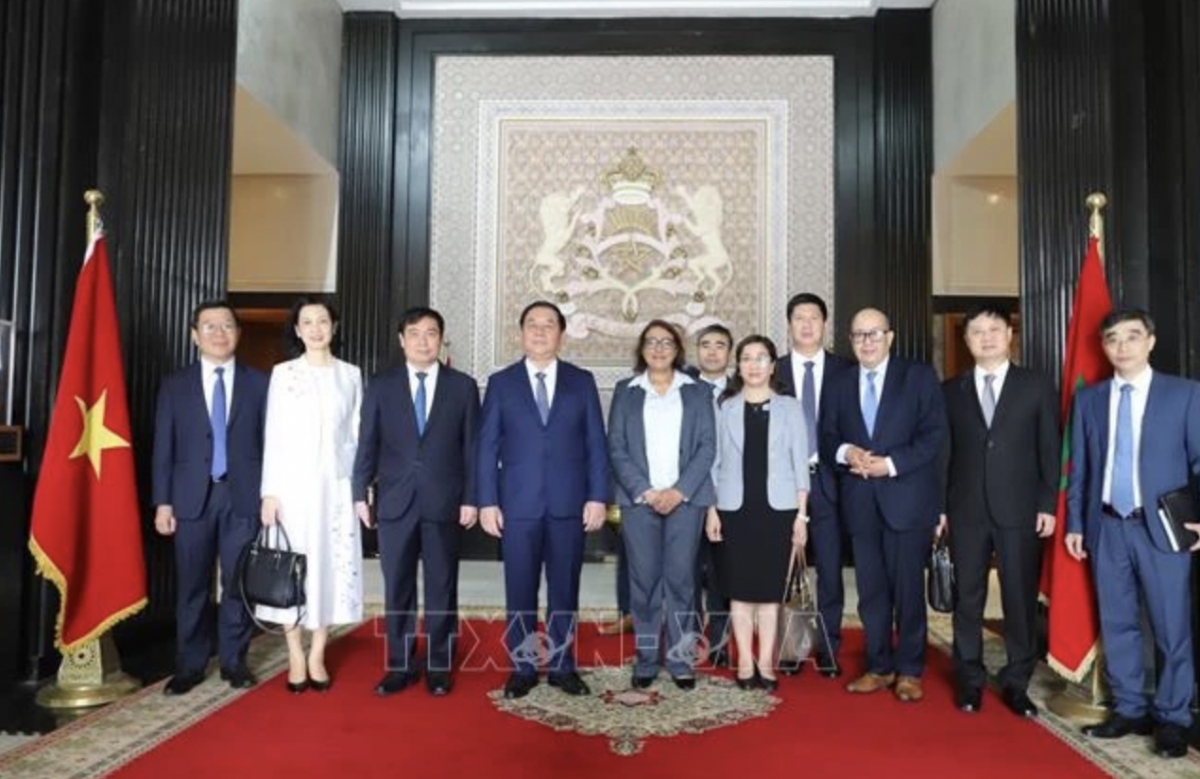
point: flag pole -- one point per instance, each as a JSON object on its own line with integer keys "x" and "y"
{"x": 1086, "y": 704}
{"x": 90, "y": 674}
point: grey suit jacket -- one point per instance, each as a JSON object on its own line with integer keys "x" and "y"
{"x": 627, "y": 444}
{"x": 787, "y": 453}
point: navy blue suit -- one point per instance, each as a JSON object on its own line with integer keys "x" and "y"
{"x": 540, "y": 476}
{"x": 421, "y": 481}
{"x": 825, "y": 529}
{"x": 890, "y": 520}
{"x": 1132, "y": 560}
{"x": 214, "y": 520}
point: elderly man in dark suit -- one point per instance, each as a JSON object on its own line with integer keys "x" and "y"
{"x": 886, "y": 427}
{"x": 1133, "y": 439}
{"x": 207, "y": 470}
{"x": 542, "y": 483}
{"x": 1002, "y": 473}
{"x": 416, "y": 444}
{"x": 807, "y": 372}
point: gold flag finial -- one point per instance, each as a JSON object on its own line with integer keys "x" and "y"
{"x": 1096, "y": 203}
{"x": 94, "y": 198}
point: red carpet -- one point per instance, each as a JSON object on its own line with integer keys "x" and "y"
{"x": 818, "y": 731}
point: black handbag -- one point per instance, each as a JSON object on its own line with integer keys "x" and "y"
{"x": 939, "y": 584}
{"x": 801, "y": 628}
{"x": 272, "y": 575}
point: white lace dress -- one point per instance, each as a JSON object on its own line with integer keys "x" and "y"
{"x": 308, "y": 457}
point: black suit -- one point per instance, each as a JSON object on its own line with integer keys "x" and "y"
{"x": 420, "y": 483}
{"x": 997, "y": 481}
{"x": 825, "y": 531}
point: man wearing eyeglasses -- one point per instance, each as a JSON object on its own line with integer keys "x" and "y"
{"x": 806, "y": 372}
{"x": 207, "y": 470}
{"x": 885, "y": 428}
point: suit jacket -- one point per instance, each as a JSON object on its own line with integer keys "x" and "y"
{"x": 434, "y": 472}
{"x": 1007, "y": 474}
{"x": 181, "y": 464}
{"x": 787, "y": 453}
{"x": 627, "y": 444}
{"x": 530, "y": 469}
{"x": 1168, "y": 456}
{"x": 826, "y": 482}
{"x": 910, "y": 427}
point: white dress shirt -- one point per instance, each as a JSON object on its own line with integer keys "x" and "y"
{"x": 431, "y": 377}
{"x": 1137, "y": 408}
{"x": 208, "y": 376}
{"x": 551, "y": 372}
{"x": 1000, "y": 373}
{"x": 880, "y": 374}
{"x": 662, "y": 418}
{"x": 798, "y": 369}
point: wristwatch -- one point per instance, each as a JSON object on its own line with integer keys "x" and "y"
{"x": 802, "y": 516}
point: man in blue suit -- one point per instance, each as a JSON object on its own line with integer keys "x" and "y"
{"x": 416, "y": 444}
{"x": 1133, "y": 439}
{"x": 886, "y": 426}
{"x": 808, "y": 372}
{"x": 207, "y": 471}
{"x": 542, "y": 483}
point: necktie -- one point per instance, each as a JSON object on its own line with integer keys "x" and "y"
{"x": 1122, "y": 473}
{"x": 543, "y": 397}
{"x": 989, "y": 398}
{"x": 870, "y": 404}
{"x": 419, "y": 402}
{"x": 216, "y": 418}
{"x": 808, "y": 402}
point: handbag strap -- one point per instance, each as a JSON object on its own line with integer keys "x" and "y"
{"x": 282, "y": 542}
{"x": 796, "y": 575}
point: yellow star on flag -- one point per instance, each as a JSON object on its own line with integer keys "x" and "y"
{"x": 96, "y": 437}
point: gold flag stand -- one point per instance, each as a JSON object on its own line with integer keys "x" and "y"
{"x": 90, "y": 674}
{"x": 1084, "y": 704}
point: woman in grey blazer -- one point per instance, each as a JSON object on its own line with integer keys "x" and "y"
{"x": 661, "y": 443}
{"x": 761, "y": 512}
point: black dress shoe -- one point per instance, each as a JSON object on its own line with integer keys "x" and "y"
{"x": 1018, "y": 703}
{"x": 790, "y": 668}
{"x": 1170, "y": 740}
{"x": 239, "y": 678}
{"x": 969, "y": 700}
{"x": 182, "y": 684}
{"x": 519, "y": 685}
{"x": 1117, "y": 726}
{"x": 685, "y": 682}
{"x": 438, "y": 683}
{"x": 828, "y": 666}
{"x": 295, "y": 688}
{"x": 642, "y": 682}
{"x": 569, "y": 682}
{"x": 395, "y": 681}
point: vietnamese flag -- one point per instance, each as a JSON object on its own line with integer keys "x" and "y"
{"x": 1066, "y": 583}
{"x": 86, "y": 531}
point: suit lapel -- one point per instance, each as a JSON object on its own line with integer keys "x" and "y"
{"x": 438, "y": 400}
{"x": 196, "y": 394}
{"x": 969, "y": 399}
{"x": 736, "y": 416}
{"x": 1150, "y": 421}
{"x": 1100, "y": 409}
{"x": 239, "y": 387}
{"x": 891, "y": 387}
{"x": 775, "y": 427}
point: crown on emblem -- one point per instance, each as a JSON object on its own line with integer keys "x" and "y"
{"x": 630, "y": 180}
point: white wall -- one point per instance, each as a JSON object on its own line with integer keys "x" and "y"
{"x": 975, "y": 236}
{"x": 283, "y": 234}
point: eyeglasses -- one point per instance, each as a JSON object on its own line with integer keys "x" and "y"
{"x": 658, "y": 343}
{"x": 212, "y": 328}
{"x": 870, "y": 336}
{"x": 761, "y": 359}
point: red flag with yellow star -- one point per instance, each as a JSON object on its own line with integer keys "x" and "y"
{"x": 86, "y": 531}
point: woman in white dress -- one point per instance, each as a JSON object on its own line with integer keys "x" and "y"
{"x": 311, "y": 435}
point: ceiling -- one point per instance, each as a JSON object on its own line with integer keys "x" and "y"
{"x": 432, "y": 9}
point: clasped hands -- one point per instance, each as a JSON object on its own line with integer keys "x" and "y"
{"x": 663, "y": 501}
{"x": 865, "y": 463}
{"x": 491, "y": 518}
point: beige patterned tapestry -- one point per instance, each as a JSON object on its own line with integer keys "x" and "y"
{"x": 696, "y": 190}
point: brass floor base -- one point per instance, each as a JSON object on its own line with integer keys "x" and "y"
{"x": 1076, "y": 705}
{"x": 81, "y": 696}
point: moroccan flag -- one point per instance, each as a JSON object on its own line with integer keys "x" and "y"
{"x": 86, "y": 533}
{"x": 1066, "y": 583}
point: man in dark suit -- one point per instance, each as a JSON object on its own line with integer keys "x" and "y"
{"x": 886, "y": 425}
{"x": 807, "y": 372}
{"x": 207, "y": 470}
{"x": 543, "y": 482}
{"x": 416, "y": 444}
{"x": 1133, "y": 439}
{"x": 1001, "y": 489}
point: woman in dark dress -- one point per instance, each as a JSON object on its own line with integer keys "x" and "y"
{"x": 761, "y": 516}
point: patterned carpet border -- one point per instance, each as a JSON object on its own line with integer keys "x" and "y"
{"x": 102, "y": 741}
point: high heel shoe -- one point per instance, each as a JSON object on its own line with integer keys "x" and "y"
{"x": 295, "y": 688}
{"x": 320, "y": 686}
{"x": 767, "y": 683}
{"x": 749, "y": 683}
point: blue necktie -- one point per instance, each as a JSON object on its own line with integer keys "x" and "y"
{"x": 419, "y": 402}
{"x": 220, "y": 430}
{"x": 543, "y": 397}
{"x": 808, "y": 402}
{"x": 1122, "y": 473}
{"x": 870, "y": 404}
